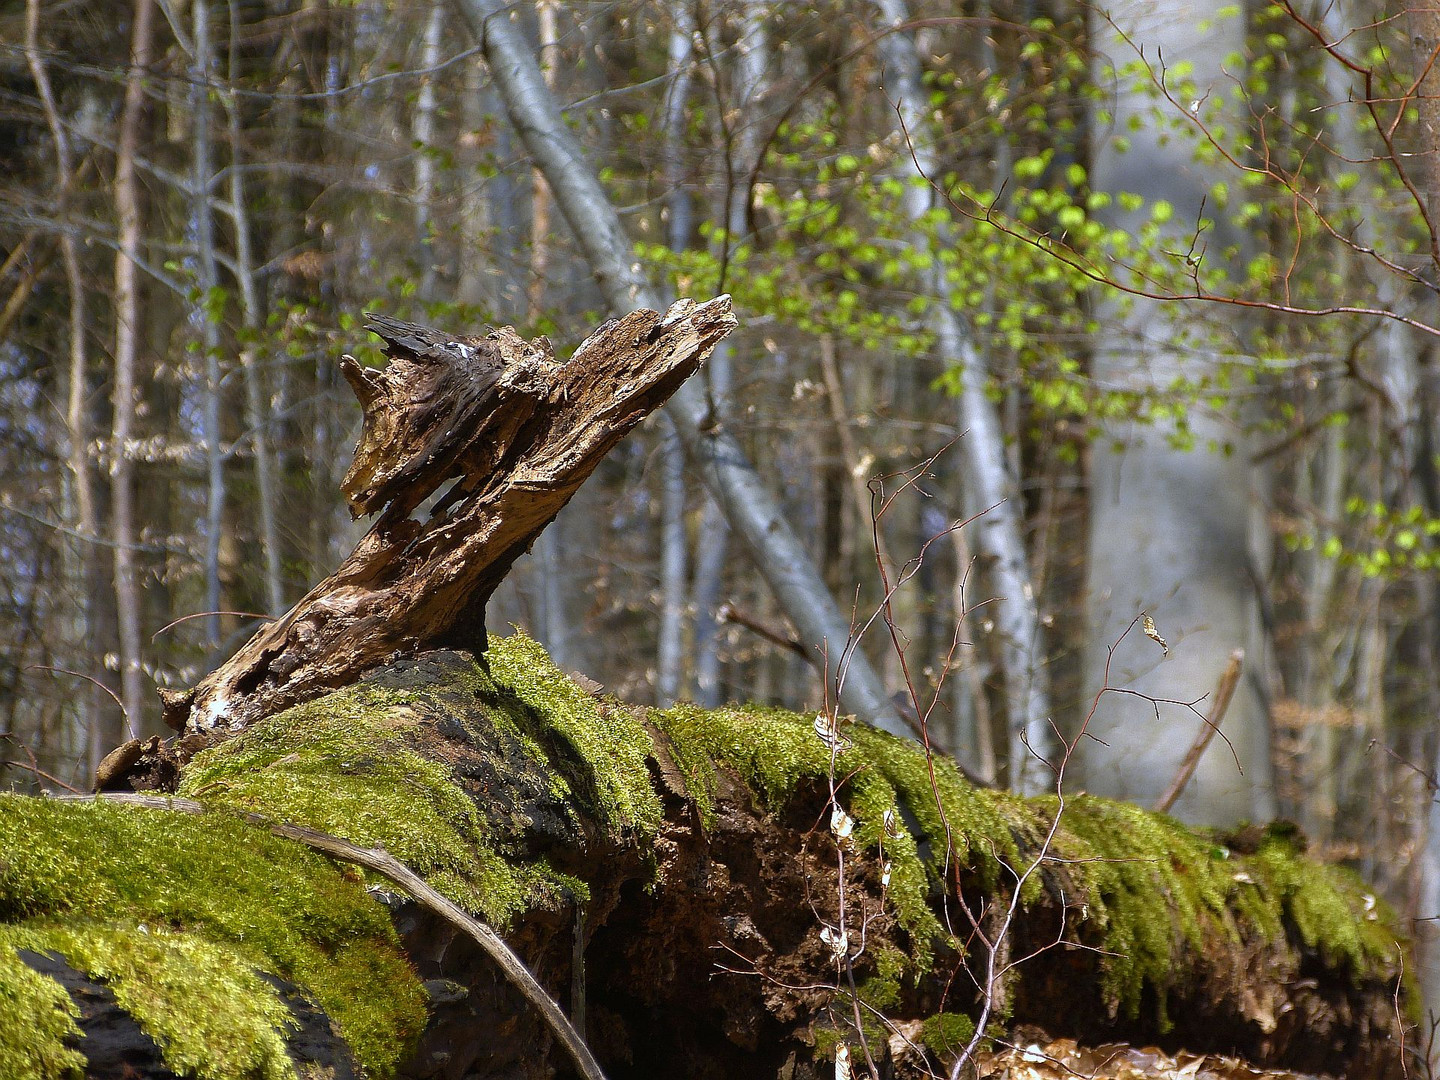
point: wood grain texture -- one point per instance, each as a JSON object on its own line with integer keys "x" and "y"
{"x": 513, "y": 434}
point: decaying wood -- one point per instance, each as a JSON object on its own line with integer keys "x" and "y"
{"x": 512, "y": 433}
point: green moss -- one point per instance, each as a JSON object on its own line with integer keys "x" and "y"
{"x": 612, "y": 742}
{"x": 1156, "y": 894}
{"x": 771, "y": 749}
{"x": 981, "y": 824}
{"x": 270, "y": 904}
{"x": 881, "y": 991}
{"x": 774, "y": 751}
{"x": 1330, "y": 909}
{"x": 1153, "y": 888}
{"x": 342, "y": 764}
{"x": 828, "y": 1039}
{"x": 36, "y": 1017}
{"x": 345, "y": 764}
{"x": 947, "y": 1034}
{"x": 1162, "y": 895}
{"x": 211, "y": 1014}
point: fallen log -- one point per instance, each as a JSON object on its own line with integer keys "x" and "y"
{"x": 738, "y": 892}
{"x": 672, "y": 879}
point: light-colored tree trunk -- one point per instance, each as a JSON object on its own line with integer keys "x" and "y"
{"x": 424, "y": 133}
{"x": 1401, "y": 383}
{"x": 474, "y": 273}
{"x": 127, "y": 343}
{"x": 1169, "y": 527}
{"x": 550, "y": 554}
{"x": 257, "y": 418}
{"x": 208, "y": 281}
{"x": 750, "y": 508}
{"x": 740, "y": 146}
{"x": 81, "y": 493}
{"x": 992, "y": 488}
{"x": 674, "y": 550}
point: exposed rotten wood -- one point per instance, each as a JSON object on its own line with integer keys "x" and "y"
{"x": 512, "y": 433}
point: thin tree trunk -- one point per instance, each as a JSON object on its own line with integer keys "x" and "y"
{"x": 208, "y": 280}
{"x": 550, "y": 555}
{"x": 77, "y": 418}
{"x": 849, "y": 452}
{"x": 424, "y": 131}
{"x": 670, "y": 654}
{"x": 740, "y": 138}
{"x": 256, "y": 415}
{"x": 540, "y": 201}
{"x": 674, "y": 553}
{"x": 750, "y": 508}
{"x": 994, "y": 489}
{"x": 127, "y": 335}
{"x": 1399, "y": 373}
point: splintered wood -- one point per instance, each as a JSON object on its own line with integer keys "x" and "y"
{"x": 469, "y": 448}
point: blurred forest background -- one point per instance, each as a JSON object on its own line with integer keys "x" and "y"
{"x": 1148, "y": 296}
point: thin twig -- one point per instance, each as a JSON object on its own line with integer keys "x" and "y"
{"x": 88, "y": 678}
{"x": 204, "y": 614}
{"x": 728, "y": 613}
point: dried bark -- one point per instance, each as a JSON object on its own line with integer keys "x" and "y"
{"x": 512, "y": 433}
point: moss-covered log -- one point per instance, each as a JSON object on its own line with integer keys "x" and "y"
{"x": 668, "y": 875}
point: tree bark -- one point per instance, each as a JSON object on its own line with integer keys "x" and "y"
{"x": 674, "y": 553}
{"x": 77, "y": 416}
{"x": 492, "y": 437}
{"x": 208, "y": 279}
{"x": 740, "y": 147}
{"x": 424, "y": 132}
{"x": 127, "y": 341}
{"x": 550, "y": 548}
{"x": 1000, "y": 533}
{"x": 256, "y": 413}
{"x": 753, "y": 512}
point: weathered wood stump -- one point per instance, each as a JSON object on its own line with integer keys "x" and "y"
{"x": 470, "y": 447}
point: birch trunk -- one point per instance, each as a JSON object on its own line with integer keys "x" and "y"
{"x": 991, "y": 484}
{"x": 77, "y": 419}
{"x": 740, "y": 147}
{"x": 208, "y": 281}
{"x": 424, "y": 132}
{"x": 550, "y": 553}
{"x": 674, "y": 553}
{"x": 751, "y": 510}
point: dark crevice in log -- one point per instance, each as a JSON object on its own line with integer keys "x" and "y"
{"x": 501, "y": 435}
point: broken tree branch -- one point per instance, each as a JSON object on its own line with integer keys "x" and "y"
{"x": 1209, "y": 728}
{"x": 469, "y": 449}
